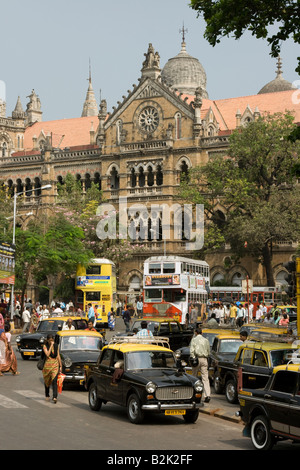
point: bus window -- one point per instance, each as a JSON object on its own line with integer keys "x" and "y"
{"x": 153, "y": 294}
{"x": 93, "y": 296}
{"x": 93, "y": 270}
{"x": 169, "y": 268}
{"x": 154, "y": 268}
{"x": 179, "y": 296}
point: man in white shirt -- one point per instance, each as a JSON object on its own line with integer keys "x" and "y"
{"x": 26, "y": 317}
{"x": 44, "y": 313}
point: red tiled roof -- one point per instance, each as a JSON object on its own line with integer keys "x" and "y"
{"x": 76, "y": 132}
{"x": 65, "y": 132}
{"x": 225, "y": 109}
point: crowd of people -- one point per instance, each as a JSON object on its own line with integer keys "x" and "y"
{"x": 238, "y": 313}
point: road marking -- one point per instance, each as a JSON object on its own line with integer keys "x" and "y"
{"x": 8, "y": 403}
{"x": 40, "y": 398}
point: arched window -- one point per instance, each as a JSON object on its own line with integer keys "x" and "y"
{"x": 159, "y": 176}
{"x": 133, "y": 178}
{"x": 177, "y": 126}
{"x": 184, "y": 171}
{"x": 97, "y": 180}
{"x": 88, "y": 182}
{"x": 4, "y": 149}
{"x": 141, "y": 177}
{"x": 150, "y": 179}
{"x": 114, "y": 179}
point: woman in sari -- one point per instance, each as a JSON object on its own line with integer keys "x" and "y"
{"x": 8, "y": 360}
{"x": 52, "y": 367}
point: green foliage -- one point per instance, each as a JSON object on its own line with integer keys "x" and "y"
{"x": 256, "y": 186}
{"x": 233, "y": 17}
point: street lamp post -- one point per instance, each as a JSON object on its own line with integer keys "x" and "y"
{"x": 47, "y": 186}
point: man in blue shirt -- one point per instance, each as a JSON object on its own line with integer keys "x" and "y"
{"x": 91, "y": 313}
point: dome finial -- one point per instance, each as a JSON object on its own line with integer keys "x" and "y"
{"x": 279, "y": 64}
{"x": 182, "y": 31}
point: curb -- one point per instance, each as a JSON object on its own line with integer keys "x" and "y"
{"x": 220, "y": 413}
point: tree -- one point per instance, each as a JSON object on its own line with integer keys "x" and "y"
{"x": 48, "y": 249}
{"x": 257, "y": 187}
{"x": 225, "y": 17}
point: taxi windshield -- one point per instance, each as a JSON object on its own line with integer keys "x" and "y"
{"x": 150, "y": 359}
{"x": 50, "y": 325}
{"x": 284, "y": 356}
{"x": 80, "y": 343}
{"x": 230, "y": 345}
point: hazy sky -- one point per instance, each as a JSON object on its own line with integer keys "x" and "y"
{"x": 46, "y": 46}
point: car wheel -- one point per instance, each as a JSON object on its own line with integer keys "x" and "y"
{"x": 191, "y": 416}
{"x": 231, "y": 391}
{"x": 261, "y": 437}
{"x": 94, "y": 401}
{"x": 134, "y": 410}
{"x": 217, "y": 385}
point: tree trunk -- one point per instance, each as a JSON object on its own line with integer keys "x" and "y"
{"x": 267, "y": 263}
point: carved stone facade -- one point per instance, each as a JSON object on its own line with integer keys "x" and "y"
{"x": 139, "y": 151}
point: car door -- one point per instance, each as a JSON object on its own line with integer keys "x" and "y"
{"x": 104, "y": 373}
{"x": 255, "y": 368}
{"x": 294, "y": 419}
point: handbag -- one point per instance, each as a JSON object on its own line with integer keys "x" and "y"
{"x": 41, "y": 363}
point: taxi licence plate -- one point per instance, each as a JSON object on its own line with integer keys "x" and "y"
{"x": 174, "y": 412}
{"x": 28, "y": 353}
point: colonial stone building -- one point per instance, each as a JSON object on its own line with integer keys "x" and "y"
{"x": 160, "y": 129}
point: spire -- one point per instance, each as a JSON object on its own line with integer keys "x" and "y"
{"x": 18, "y": 112}
{"x": 90, "y": 107}
{"x": 183, "y": 44}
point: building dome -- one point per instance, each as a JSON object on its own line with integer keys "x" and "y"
{"x": 185, "y": 73}
{"x": 278, "y": 84}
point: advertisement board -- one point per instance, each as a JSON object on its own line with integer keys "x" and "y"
{"x": 7, "y": 263}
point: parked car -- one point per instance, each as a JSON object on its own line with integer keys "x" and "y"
{"x": 272, "y": 414}
{"x": 255, "y": 360}
{"x": 144, "y": 377}
{"x": 31, "y": 344}
{"x": 78, "y": 349}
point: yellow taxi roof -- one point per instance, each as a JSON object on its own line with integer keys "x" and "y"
{"x": 79, "y": 333}
{"x": 131, "y": 347}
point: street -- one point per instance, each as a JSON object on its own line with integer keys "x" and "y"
{"x": 31, "y": 423}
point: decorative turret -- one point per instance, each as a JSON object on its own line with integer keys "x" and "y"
{"x": 151, "y": 67}
{"x": 18, "y": 112}
{"x": 90, "y": 107}
{"x": 33, "y": 109}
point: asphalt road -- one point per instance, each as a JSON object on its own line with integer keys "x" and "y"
{"x": 28, "y": 422}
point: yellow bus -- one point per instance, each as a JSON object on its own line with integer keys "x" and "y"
{"x": 96, "y": 285}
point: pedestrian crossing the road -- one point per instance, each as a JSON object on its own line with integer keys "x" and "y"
{"x": 32, "y": 396}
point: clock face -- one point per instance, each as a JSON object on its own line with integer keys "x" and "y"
{"x": 149, "y": 119}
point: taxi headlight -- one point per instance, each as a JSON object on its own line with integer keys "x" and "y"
{"x": 198, "y": 386}
{"x": 67, "y": 362}
{"x": 150, "y": 387}
{"x": 42, "y": 339}
{"x": 18, "y": 339}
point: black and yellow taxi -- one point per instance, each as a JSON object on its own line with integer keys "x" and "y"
{"x": 78, "y": 349}
{"x": 30, "y": 345}
{"x": 252, "y": 366}
{"x": 272, "y": 413}
{"x": 143, "y": 375}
